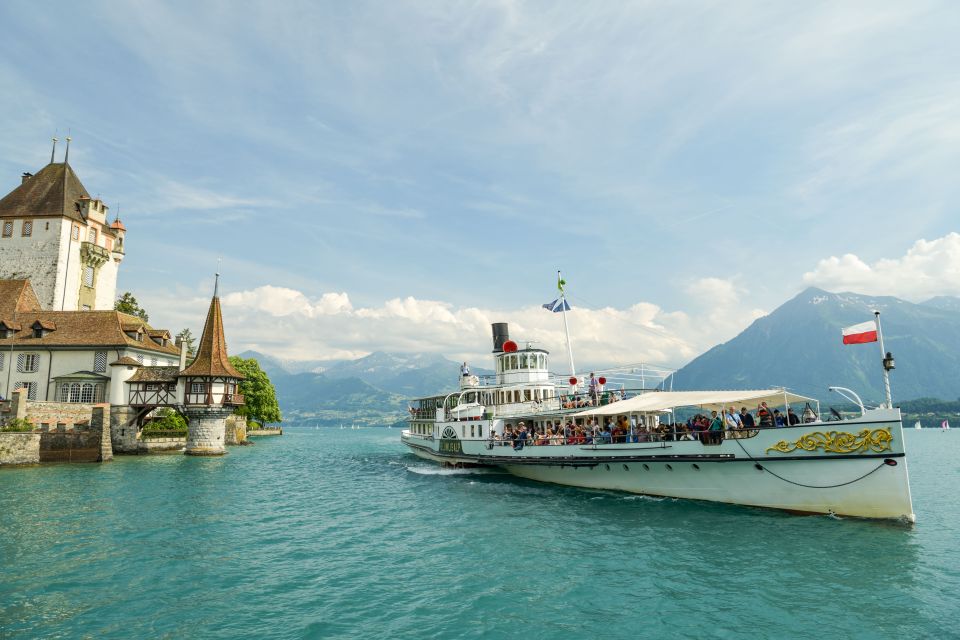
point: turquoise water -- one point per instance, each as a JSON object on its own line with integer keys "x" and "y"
{"x": 340, "y": 533}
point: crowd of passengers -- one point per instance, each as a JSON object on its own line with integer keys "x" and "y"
{"x": 728, "y": 423}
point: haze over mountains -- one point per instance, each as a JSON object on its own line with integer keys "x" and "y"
{"x": 798, "y": 346}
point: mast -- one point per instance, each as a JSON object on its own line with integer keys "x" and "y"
{"x": 566, "y": 327}
{"x": 887, "y": 360}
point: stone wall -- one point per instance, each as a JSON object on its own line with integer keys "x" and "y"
{"x": 265, "y": 432}
{"x": 162, "y": 445}
{"x": 19, "y": 448}
{"x": 56, "y": 414}
{"x": 76, "y": 446}
{"x": 236, "y": 430}
{"x": 123, "y": 434}
{"x": 206, "y": 430}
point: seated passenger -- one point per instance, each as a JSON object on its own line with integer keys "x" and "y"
{"x": 792, "y": 418}
{"x": 778, "y": 418}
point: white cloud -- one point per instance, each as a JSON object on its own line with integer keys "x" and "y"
{"x": 929, "y": 268}
{"x": 288, "y": 323}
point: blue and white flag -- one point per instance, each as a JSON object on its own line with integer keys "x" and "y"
{"x": 558, "y": 305}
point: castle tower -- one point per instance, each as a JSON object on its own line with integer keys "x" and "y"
{"x": 55, "y": 235}
{"x": 210, "y": 388}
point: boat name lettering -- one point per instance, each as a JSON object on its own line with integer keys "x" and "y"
{"x": 450, "y": 446}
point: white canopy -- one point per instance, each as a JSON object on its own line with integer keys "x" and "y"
{"x": 655, "y": 401}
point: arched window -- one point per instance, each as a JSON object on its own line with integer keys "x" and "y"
{"x": 65, "y": 393}
{"x": 75, "y": 392}
{"x": 86, "y": 392}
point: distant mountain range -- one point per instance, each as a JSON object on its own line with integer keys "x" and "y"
{"x": 799, "y": 346}
{"x": 374, "y": 389}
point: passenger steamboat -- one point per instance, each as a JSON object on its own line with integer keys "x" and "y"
{"x": 844, "y": 466}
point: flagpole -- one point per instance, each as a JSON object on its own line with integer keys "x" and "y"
{"x": 566, "y": 327}
{"x": 883, "y": 357}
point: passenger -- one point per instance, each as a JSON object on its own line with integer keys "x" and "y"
{"x": 607, "y": 436}
{"x": 792, "y": 418}
{"x": 764, "y": 416}
{"x": 715, "y": 428}
{"x": 746, "y": 418}
{"x": 521, "y": 438}
{"x": 778, "y": 418}
{"x": 734, "y": 425}
{"x": 464, "y": 370}
{"x": 593, "y": 387}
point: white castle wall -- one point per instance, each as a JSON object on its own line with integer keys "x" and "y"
{"x": 37, "y": 257}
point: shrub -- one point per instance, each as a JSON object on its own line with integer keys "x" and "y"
{"x": 17, "y": 424}
{"x": 168, "y": 421}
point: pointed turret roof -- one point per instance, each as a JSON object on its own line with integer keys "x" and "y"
{"x": 211, "y": 357}
{"x": 54, "y": 191}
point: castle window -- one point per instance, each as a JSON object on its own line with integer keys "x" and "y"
{"x": 86, "y": 393}
{"x": 100, "y": 361}
{"x": 7, "y": 229}
{"x": 140, "y": 358}
{"x": 65, "y": 393}
{"x": 31, "y": 388}
{"x": 27, "y": 228}
{"x": 76, "y": 232}
{"x": 92, "y": 236}
{"x": 88, "y": 276}
{"x": 153, "y": 362}
{"x": 2, "y": 357}
{"x": 75, "y": 392}
{"x": 28, "y": 362}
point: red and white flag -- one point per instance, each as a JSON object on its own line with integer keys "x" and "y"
{"x": 860, "y": 333}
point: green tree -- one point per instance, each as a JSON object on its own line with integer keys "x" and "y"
{"x": 260, "y": 397}
{"x": 128, "y": 304}
{"x": 187, "y": 337}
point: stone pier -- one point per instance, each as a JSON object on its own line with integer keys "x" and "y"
{"x": 206, "y": 430}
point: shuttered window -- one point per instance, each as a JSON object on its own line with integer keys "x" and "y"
{"x": 2, "y": 360}
{"x": 27, "y": 228}
{"x": 31, "y": 388}
{"x": 100, "y": 362}
{"x": 88, "y": 276}
{"x": 7, "y": 229}
{"x": 28, "y": 362}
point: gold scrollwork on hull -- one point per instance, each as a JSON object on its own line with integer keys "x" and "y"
{"x": 876, "y": 440}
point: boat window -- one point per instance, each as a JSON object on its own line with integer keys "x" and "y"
{"x": 480, "y": 430}
{"x": 513, "y": 363}
{"x": 471, "y": 431}
{"x": 524, "y": 361}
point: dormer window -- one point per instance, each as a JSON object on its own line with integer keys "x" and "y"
{"x": 41, "y": 328}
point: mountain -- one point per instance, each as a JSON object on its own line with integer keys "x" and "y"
{"x": 374, "y": 389}
{"x": 944, "y": 303}
{"x": 798, "y": 346}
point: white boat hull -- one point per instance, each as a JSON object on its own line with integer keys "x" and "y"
{"x": 832, "y": 471}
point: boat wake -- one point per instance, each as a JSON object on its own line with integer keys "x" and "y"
{"x": 440, "y": 471}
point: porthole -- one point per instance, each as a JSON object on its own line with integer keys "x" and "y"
{"x": 758, "y": 467}
{"x": 669, "y": 468}
{"x": 626, "y": 468}
{"x": 607, "y": 467}
{"x": 695, "y": 466}
{"x": 646, "y": 467}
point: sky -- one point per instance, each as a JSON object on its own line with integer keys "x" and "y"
{"x": 394, "y": 176}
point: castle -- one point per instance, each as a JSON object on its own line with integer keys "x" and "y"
{"x": 65, "y": 351}
{"x": 58, "y": 237}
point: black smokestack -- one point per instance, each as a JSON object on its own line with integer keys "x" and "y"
{"x": 501, "y": 334}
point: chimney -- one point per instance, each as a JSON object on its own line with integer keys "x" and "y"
{"x": 501, "y": 334}
{"x": 26, "y": 176}
{"x": 183, "y": 353}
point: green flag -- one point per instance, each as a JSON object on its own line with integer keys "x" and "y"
{"x": 560, "y": 282}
